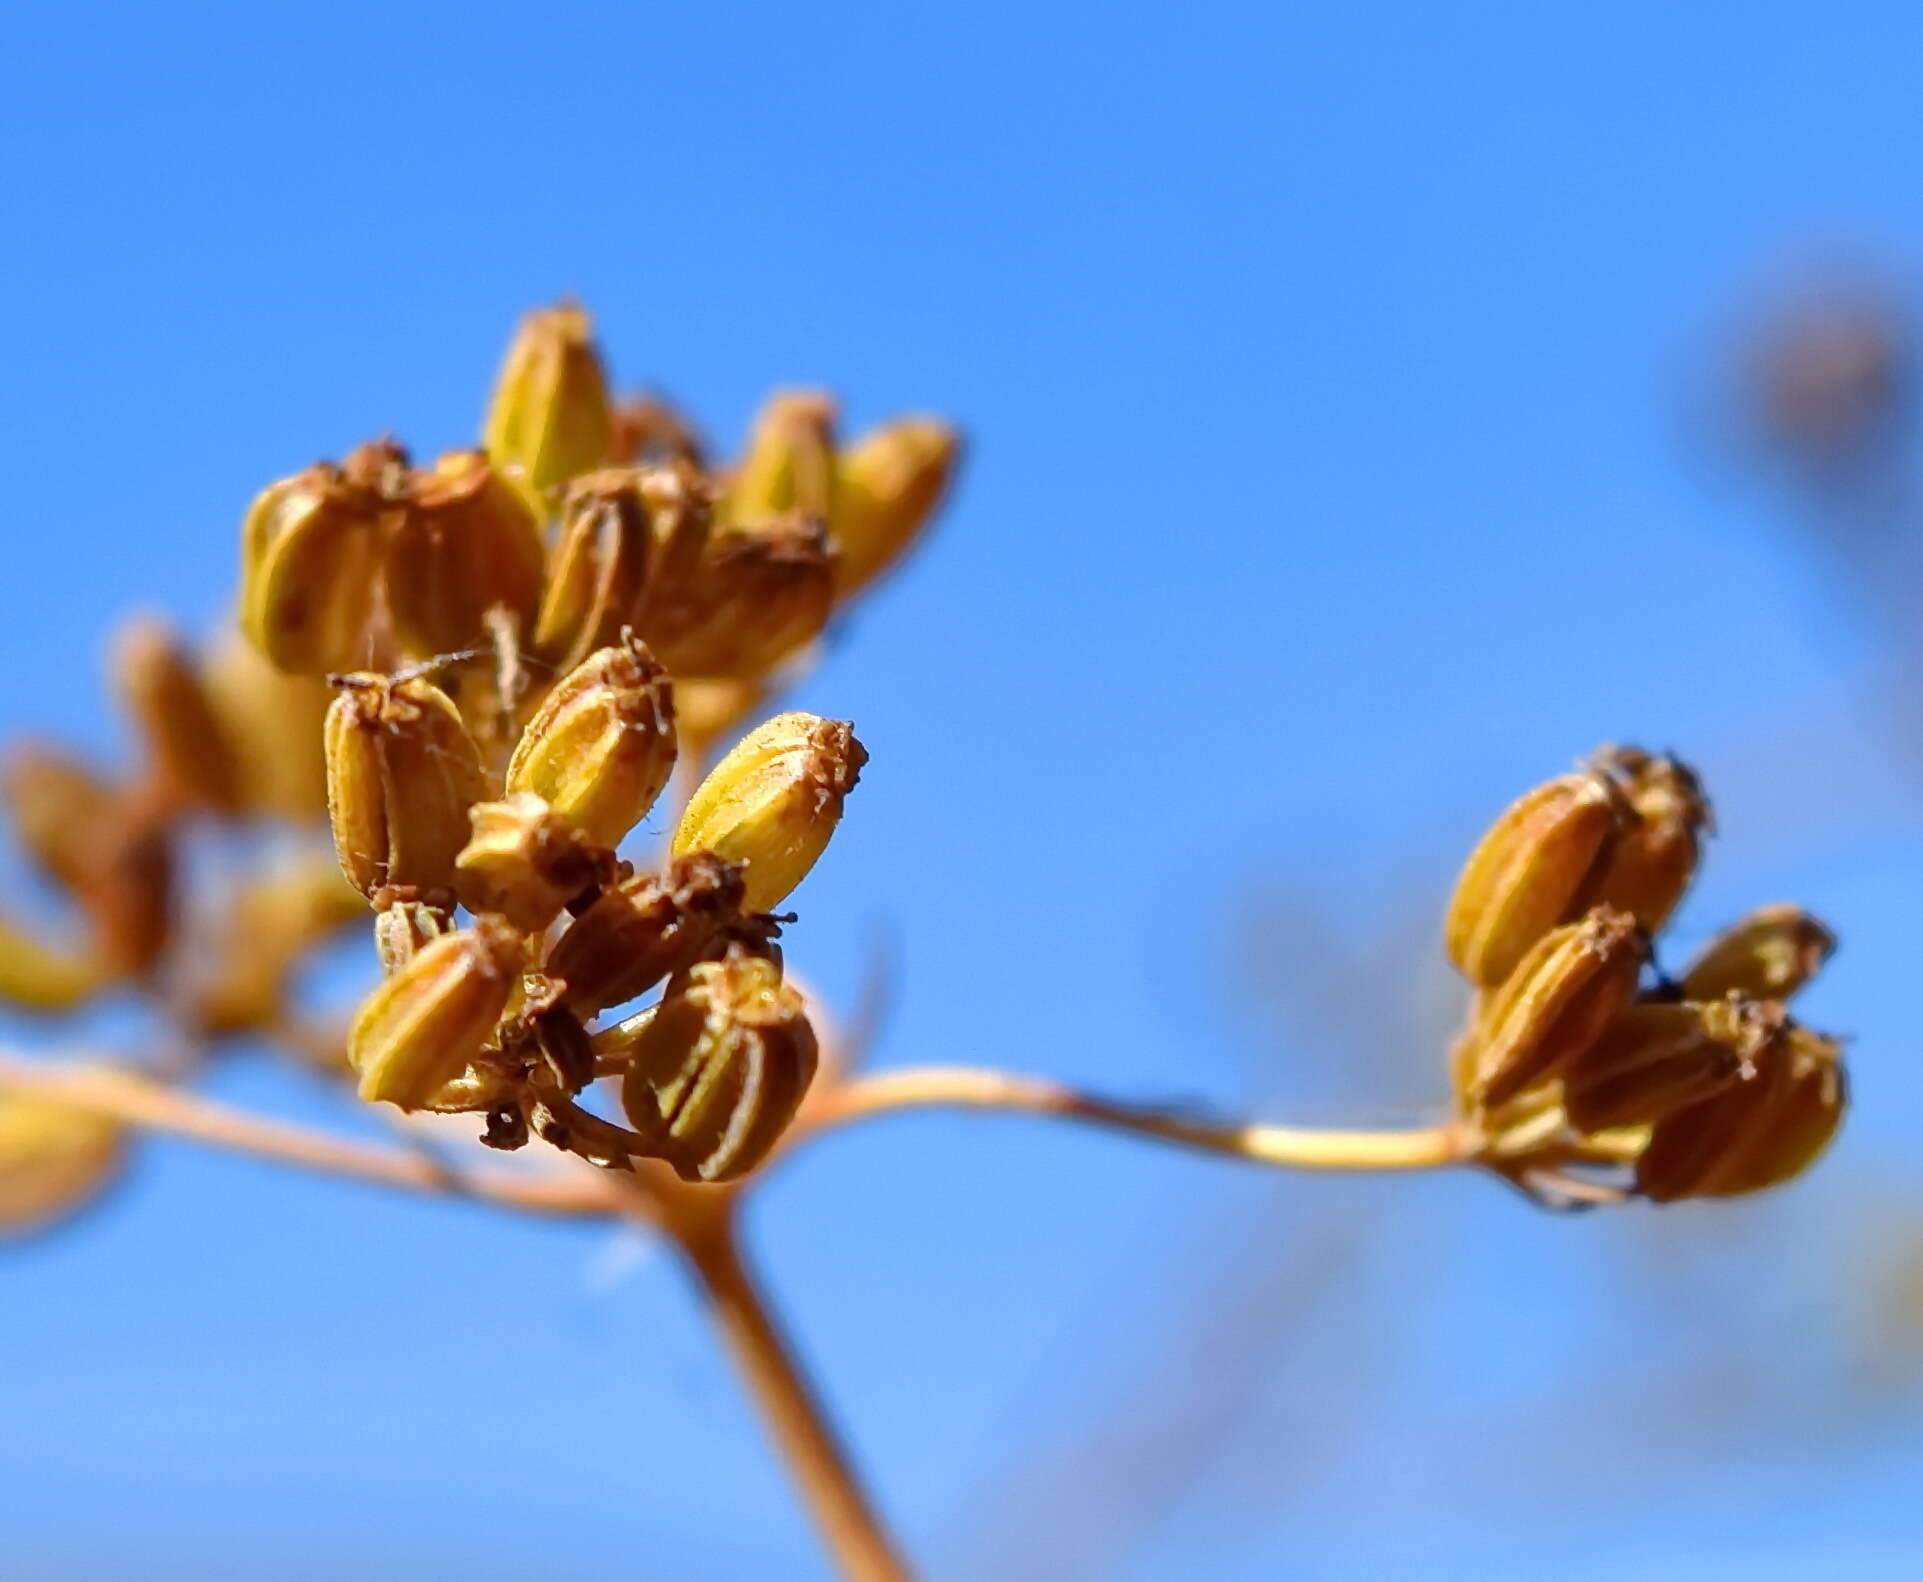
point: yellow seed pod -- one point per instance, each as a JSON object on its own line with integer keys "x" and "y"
{"x": 1523, "y": 878}
{"x": 525, "y": 862}
{"x": 310, "y": 557}
{"x": 274, "y": 721}
{"x": 598, "y": 572}
{"x": 402, "y": 771}
{"x": 1654, "y": 1059}
{"x": 416, "y": 1039}
{"x": 550, "y": 416}
{"x": 758, "y": 594}
{"x": 601, "y": 746}
{"x": 639, "y": 931}
{"x": 1653, "y": 858}
{"x": 40, "y": 977}
{"x": 190, "y": 750}
{"x": 1757, "y": 1132}
{"x": 1555, "y": 1005}
{"x": 1768, "y": 955}
{"x": 720, "y": 1068}
{"x": 887, "y": 486}
{"x": 772, "y": 803}
{"x": 55, "y": 1158}
{"x": 465, "y": 542}
{"x": 789, "y": 469}
{"x": 59, "y": 808}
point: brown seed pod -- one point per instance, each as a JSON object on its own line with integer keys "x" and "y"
{"x": 1555, "y": 1005}
{"x": 310, "y": 557}
{"x": 1526, "y": 873}
{"x": 599, "y": 568}
{"x": 193, "y": 757}
{"x": 1655, "y": 1059}
{"x": 61, "y": 810}
{"x": 1653, "y": 858}
{"x": 720, "y": 1068}
{"x": 127, "y": 890}
{"x": 464, "y": 542}
{"x": 1768, "y": 955}
{"x": 526, "y": 862}
{"x": 758, "y": 594}
{"x": 639, "y": 931}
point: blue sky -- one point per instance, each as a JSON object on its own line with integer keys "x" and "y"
{"x": 1340, "y": 384}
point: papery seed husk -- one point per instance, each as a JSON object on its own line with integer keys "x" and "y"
{"x": 758, "y": 594}
{"x": 598, "y": 570}
{"x": 464, "y": 543}
{"x": 525, "y": 862}
{"x": 639, "y": 931}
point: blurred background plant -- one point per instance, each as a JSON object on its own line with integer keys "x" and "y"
{"x": 1468, "y": 382}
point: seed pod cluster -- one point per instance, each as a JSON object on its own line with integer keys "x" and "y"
{"x": 1582, "y": 1079}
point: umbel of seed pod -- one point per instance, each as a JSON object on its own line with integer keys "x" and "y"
{"x": 416, "y": 1038}
{"x": 1755, "y": 1133}
{"x": 310, "y": 554}
{"x": 720, "y": 1068}
{"x": 601, "y": 746}
{"x": 639, "y": 931}
{"x": 464, "y": 543}
{"x": 759, "y": 593}
{"x": 1653, "y": 857}
{"x": 550, "y": 416}
{"x": 525, "y": 862}
{"x": 887, "y": 486}
{"x": 189, "y": 750}
{"x": 599, "y": 568}
{"x": 1525, "y": 876}
{"x": 1556, "y": 1003}
{"x": 772, "y": 803}
{"x": 1768, "y": 955}
{"x": 1655, "y": 1059}
{"x": 402, "y": 771}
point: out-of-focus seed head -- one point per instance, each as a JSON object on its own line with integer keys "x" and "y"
{"x": 402, "y": 771}
{"x": 720, "y": 1068}
{"x": 1655, "y": 1059}
{"x": 525, "y": 862}
{"x": 1555, "y": 1005}
{"x": 598, "y": 572}
{"x": 1757, "y": 1132}
{"x": 416, "y": 1039}
{"x": 772, "y": 803}
{"x": 601, "y": 746}
{"x": 274, "y": 721}
{"x": 648, "y": 429}
{"x": 789, "y": 469}
{"x": 1768, "y": 955}
{"x": 1653, "y": 858}
{"x": 640, "y": 930}
{"x": 550, "y": 415}
{"x": 59, "y": 807}
{"x": 127, "y": 890}
{"x": 39, "y": 977}
{"x": 403, "y": 929}
{"x": 1526, "y": 874}
{"x": 758, "y": 594}
{"x": 239, "y": 985}
{"x": 310, "y": 558}
{"x": 465, "y": 542}
{"x": 192, "y": 755}
{"x": 55, "y": 1158}
{"x": 887, "y": 486}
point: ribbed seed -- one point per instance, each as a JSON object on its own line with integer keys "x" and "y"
{"x": 465, "y": 542}
{"x": 416, "y": 1037}
{"x": 1768, "y": 955}
{"x": 550, "y": 415}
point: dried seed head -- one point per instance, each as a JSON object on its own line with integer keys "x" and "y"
{"x": 1653, "y": 858}
{"x": 1768, "y": 955}
{"x": 640, "y": 930}
{"x": 789, "y": 469}
{"x": 599, "y": 569}
{"x": 887, "y": 486}
{"x": 720, "y": 1068}
{"x": 1654, "y": 1059}
{"x": 758, "y": 594}
{"x": 402, "y": 771}
{"x": 1757, "y": 1132}
{"x": 310, "y": 555}
{"x": 601, "y": 746}
{"x": 39, "y": 977}
{"x": 1555, "y": 1005}
{"x": 194, "y": 758}
{"x": 465, "y": 542}
{"x": 772, "y": 803}
{"x": 1527, "y": 872}
{"x": 274, "y": 721}
{"x": 54, "y": 1159}
{"x": 417, "y": 1037}
{"x": 550, "y": 416}
{"x": 525, "y": 862}
{"x": 60, "y": 809}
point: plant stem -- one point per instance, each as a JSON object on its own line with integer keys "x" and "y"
{"x": 139, "y": 1102}
{"x": 795, "y": 1417}
{"x": 1285, "y": 1147}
